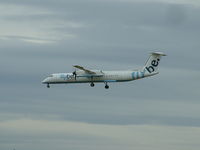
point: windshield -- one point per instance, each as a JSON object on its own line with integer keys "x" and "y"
{"x": 50, "y": 75}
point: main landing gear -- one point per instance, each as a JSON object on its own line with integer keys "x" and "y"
{"x": 92, "y": 84}
{"x": 48, "y": 86}
{"x": 106, "y": 86}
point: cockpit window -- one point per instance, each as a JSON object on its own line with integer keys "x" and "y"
{"x": 51, "y": 75}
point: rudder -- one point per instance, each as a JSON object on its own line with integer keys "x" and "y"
{"x": 152, "y": 63}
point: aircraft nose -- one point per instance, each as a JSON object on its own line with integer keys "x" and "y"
{"x": 45, "y": 80}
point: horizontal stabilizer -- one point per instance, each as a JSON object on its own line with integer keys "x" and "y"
{"x": 159, "y": 53}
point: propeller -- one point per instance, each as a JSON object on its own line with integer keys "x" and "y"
{"x": 74, "y": 74}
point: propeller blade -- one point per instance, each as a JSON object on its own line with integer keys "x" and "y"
{"x": 74, "y": 74}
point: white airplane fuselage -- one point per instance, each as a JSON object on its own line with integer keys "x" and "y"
{"x": 92, "y": 76}
{"x": 108, "y": 76}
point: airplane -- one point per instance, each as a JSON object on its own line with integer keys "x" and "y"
{"x": 83, "y": 75}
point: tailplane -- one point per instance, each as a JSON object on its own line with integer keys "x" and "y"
{"x": 151, "y": 66}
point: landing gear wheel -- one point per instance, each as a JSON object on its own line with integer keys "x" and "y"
{"x": 106, "y": 86}
{"x": 48, "y": 86}
{"x": 92, "y": 84}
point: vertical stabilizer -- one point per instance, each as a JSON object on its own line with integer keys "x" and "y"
{"x": 151, "y": 66}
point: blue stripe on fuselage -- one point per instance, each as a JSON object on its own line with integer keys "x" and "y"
{"x": 137, "y": 74}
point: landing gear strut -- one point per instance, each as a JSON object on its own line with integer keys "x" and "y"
{"x": 92, "y": 84}
{"x": 48, "y": 86}
{"x": 106, "y": 86}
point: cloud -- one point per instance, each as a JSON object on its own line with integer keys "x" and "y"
{"x": 28, "y": 39}
{"x": 92, "y": 136}
{"x": 183, "y": 2}
{"x": 34, "y": 24}
{"x": 38, "y": 38}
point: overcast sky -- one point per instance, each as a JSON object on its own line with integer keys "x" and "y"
{"x": 38, "y": 38}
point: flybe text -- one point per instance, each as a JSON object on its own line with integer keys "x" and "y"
{"x": 154, "y": 64}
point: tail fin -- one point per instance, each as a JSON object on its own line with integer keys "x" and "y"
{"x": 151, "y": 66}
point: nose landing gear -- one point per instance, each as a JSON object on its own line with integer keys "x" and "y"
{"x": 48, "y": 86}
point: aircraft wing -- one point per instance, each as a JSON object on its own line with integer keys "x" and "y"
{"x": 86, "y": 70}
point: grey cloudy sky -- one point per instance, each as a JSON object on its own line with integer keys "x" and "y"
{"x": 42, "y": 37}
